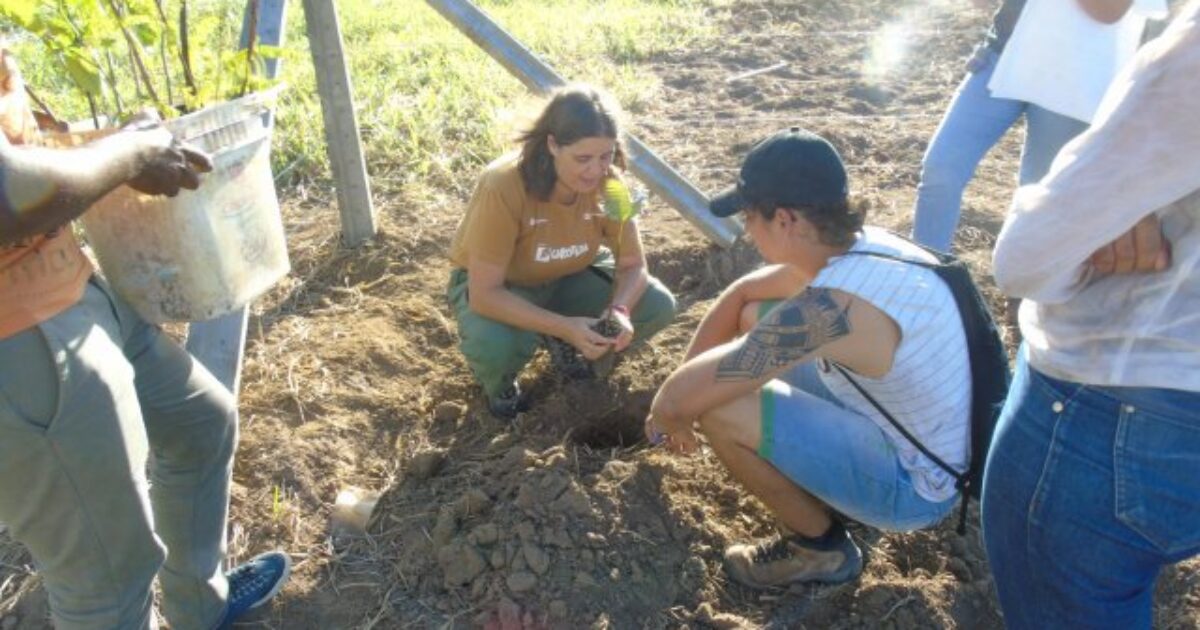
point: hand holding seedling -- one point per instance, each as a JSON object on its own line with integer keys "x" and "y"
{"x": 620, "y": 206}
{"x": 580, "y": 333}
{"x": 624, "y": 333}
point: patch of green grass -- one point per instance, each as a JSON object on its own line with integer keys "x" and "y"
{"x": 431, "y": 105}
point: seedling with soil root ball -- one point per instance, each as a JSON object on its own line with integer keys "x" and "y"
{"x": 620, "y": 205}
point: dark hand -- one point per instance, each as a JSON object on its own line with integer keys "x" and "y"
{"x": 167, "y": 164}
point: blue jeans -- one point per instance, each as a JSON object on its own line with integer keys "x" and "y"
{"x": 86, "y": 398}
{"x": 972, "y": 125}
{"x": 839, "y": 456}
{"x": 1088, "y": 493}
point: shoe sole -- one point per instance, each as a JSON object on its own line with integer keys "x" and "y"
{"x": 279, "y": 584}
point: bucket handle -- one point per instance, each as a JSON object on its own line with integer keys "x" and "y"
{"x": 248, "y": 141}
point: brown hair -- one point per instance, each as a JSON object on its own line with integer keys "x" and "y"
{"x": 836, "y": 223}
{"x": 573, "y": 113}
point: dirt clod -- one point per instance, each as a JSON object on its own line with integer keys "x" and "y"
{"x": 460, "y": 564}
{"x": 448, "y": 412}
{"x": 426, "y": 464}
{"x": 521, "y": 581}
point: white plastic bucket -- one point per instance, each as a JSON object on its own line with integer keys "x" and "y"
{"x": 206, "y": 252}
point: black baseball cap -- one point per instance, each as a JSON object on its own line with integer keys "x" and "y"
{"x": 793, "y": 168}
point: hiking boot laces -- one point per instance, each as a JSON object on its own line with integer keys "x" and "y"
{"x": 770, "y": 551}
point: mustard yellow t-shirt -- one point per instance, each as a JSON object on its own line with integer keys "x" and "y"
{"x": 535, "y": 241}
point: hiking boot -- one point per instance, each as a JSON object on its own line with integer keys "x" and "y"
{"x": 509, "y": 403}
{"x": 566, "y": 361}
{"x": 254, "y": 582}
{"x": 781, "y": 561}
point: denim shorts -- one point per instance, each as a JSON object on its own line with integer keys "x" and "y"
{"x": 839, "y": 456}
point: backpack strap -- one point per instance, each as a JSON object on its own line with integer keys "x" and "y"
{"x": 961, "y": 479}
{"x": 958, "y": 475}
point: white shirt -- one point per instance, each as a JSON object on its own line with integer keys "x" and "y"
{"x": 1061, "y": 59}
{"x": 1141, "y": 156}
{"x": 928, "y": 389}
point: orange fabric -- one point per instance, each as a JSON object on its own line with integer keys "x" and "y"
{"x": 535, "y": 241}
{"x": 43, "y": 275}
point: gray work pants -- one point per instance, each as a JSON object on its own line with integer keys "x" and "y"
{"x": 85, "y": 398}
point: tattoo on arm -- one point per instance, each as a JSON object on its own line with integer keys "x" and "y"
{"x": 788, "y": 333}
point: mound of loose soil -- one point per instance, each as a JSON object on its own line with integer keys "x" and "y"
{"x": 565, "y": 518}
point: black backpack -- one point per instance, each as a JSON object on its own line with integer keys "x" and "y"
{"x": 990, "y": 374}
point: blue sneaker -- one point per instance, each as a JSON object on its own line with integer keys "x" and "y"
{"x": 254, "y": 582}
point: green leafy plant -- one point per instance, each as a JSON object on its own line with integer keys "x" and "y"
{"x": 126, "y": 55}
{"x": 619, "y": 205}
{"x": 277, "y": 503}
{"x": 622, "y": 206}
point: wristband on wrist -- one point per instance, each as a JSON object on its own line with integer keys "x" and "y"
{"x": 620, "y": 308}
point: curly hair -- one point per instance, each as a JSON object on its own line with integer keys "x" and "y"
{"x": 836, "y": 223}
{"x": 573, "y": 113}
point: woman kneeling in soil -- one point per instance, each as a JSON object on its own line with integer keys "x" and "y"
{"x": 530, "y": 268}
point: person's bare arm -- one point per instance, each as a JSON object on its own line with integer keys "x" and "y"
{"x": 489, "y": 297}
{"x": 1105, "y": 183}
{"x": 41, "y": 188}
{"x": 1105, "y": 11}
{"x": 818, "y": 322}
{"x": 631, "y": 279}
{"x": 720, "y": 323}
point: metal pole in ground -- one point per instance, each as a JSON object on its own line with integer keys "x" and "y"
{"x": 341, "y": 122}
{"x": 218, "y": 343}
{"x": 539, "y": 77}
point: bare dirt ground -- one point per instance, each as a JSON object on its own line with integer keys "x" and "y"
{"x": 566, "y": 518}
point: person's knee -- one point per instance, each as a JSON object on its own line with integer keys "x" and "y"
{"x": 715, "y": 425}
{"x": 942, "y": 169}
{"x": 223, "y": 408}
{"x": 656, "y": 309}
{"x": 214, "y": 439}
{"x": 733, "y": 422}
{"x": 491, "y": 341}
{"x": 496, "y": 352}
